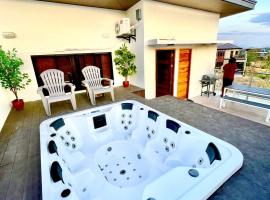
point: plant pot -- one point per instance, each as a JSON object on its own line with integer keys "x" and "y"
{"x": 125, "y": 83}
{"x": 18, "y": 104}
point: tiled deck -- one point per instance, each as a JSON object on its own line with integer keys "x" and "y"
{"x": 244, "y": 111}
{"x": 20, "y": 176}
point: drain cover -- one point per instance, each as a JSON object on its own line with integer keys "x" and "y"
{"x": 193, "y": 172}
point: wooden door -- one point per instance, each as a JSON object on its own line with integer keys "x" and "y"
{"x": 72, "y": 64}
{"x": 102, "y": 60}
{"x": 106, "y": 65}
{"x": 183, "y": 73}
{"x": 164, "y": 72}
{"x": 41, "y": 64}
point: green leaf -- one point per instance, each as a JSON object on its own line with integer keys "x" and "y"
{"x": 11, "y": 76}
{"x": 125, "y": 61}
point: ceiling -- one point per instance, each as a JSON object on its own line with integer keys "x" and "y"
{"x": 224, "y": 7}
{"x": 111, "y": 4}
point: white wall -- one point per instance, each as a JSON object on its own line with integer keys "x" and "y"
{"x": 49, "y": 28}
{"x": 5, "y": 106}
{"x": 137, "y": 46}
{"x": 202, "y": 62}
{"x": 167, "y": 21}
{"x": 228, "y": 53}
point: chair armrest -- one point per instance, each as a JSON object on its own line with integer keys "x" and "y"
{"x": 40, "y": 90}
{"x": 84, "y": 83}
{"x": 72, "y": 87}
{"x": 107, "y": 79}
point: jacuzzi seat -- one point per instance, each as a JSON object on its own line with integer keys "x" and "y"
{"x": 73, "y": 185}
{"x": 65, "y": 130}
{"x": 73, "y": 159}
{"x": 194, "y": 153}
{"x": 124, "y": 119}
{"x": 148, "y": 127}
{"x": 166, "y": 141}
{"x": 128, "y": 150}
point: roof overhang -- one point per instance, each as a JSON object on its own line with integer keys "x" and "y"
{"x": 173, "y": 42}
{"x": 223, "y": 7}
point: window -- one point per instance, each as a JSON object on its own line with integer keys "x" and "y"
{"x": 231, "y": 55}
{"x": 236, "y": 53}
{"x": 219, "y": 65}
{"x": 220, "y": 53}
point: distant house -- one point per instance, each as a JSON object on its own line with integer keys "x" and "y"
{"x": 262, "y": 53}
{"x": 227, "y": 51}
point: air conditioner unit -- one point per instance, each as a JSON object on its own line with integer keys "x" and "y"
{"x": 122, "y": 27}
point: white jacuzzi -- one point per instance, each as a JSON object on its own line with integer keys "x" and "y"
{"x": 129, "y": 151}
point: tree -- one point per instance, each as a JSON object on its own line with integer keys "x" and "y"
{"x": 125, "y": 61}
{"x": 252, "y": 57}
{"x": 266, "y": 61}
{"x": 11, "y": 76}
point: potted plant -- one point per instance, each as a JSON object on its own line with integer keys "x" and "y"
{"x": 11, "y": 76}
{"x": 125, "y": 62}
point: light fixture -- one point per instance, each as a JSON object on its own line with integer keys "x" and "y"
{"x": 138, "y": 14}
{"x": 9, "y": 35}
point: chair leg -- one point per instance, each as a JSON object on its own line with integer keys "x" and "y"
{"x": 47, "y": 108}
{"x": 87, "y": 94}
{"x": 220, "y": 103}
{"x": 268, "y": 116}
{"x": 46, "y": 105}
{"x": 48, "y": 112}
{"x": 112, "y": 94}
{"x": 73, "y": 102}
{"x": 92, "y": 97}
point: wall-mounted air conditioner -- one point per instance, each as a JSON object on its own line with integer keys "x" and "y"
{"x": 122, "y": 27}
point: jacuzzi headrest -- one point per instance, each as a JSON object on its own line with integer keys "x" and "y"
{"x": 57, "y": 124}
{"x": 52, "y": 148}
{"x": 152, "y": 115}
{"x": 127, "y": 106}
{"x": 172, "y": 125}
{"x": 56, "y": 172}
{"x": 213, "y": 152}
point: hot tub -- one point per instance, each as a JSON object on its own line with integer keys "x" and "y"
{"x": 128, "y": 150}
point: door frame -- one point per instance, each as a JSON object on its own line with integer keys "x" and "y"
{"x": 190, "y": 57}
{"x": 172, "y": 70}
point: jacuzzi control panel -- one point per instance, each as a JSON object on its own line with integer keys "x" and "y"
{"x": 130, "y": 151}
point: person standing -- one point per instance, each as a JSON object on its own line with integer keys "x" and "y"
{"x": 228, "y": 74}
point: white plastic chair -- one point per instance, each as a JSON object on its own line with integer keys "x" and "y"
{"x": 93, "y": 83}
{"x": 53, "y": 80}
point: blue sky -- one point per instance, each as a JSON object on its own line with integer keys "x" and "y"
{"x": 248, "y": 29}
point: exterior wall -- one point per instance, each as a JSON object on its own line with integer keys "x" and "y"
{"x": 202, "y": 62}
{"x": 168, "y": 21}
{"x": 137, "y": 46}
{"x": 228, "y": 53}
{"x": 5, "y": 107}
{"x": 50, "y": 28}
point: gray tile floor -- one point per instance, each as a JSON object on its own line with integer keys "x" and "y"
{"x": 20, "y": 176}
